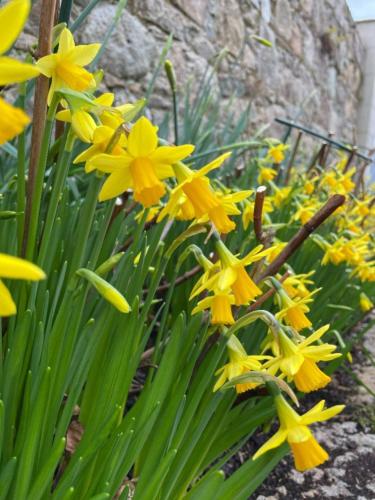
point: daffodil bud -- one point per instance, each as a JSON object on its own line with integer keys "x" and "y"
{"x": 106, "y": 290}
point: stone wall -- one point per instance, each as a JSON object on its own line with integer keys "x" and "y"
{"x": 312, "y": 72}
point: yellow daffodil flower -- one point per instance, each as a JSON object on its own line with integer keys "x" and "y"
{"x": 294, "y": 429}
{"x": 141, "y": 167}
{"x": 276, "y": 153}
{"x": 309, "y": 186}
{"x": 266, "y": 174}
{"x": 194, "y": 197}
{"x": 293, "y": 311}
{"x": 19, "y": 269}
{"x": 305, "y": 211}
{"x": 239, "y": 363}
{"x": 339, "y": 183}
{"x": 295, "y": 284}
{"x": 280, "y": 195}
{"x": 365, "y": 302}
{"x": 275, "y": 250}
{"x": 234, "y": 272}
{"x": 365, "y": 271}
{"x": 298, "y": 361}
{"x": 66, "y": 66}
{"x": 232, "y": 275}
{"x": 334, "y": 253}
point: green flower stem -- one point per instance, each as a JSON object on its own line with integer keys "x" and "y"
{"x": 86, "y": 220}
{"x": 249, "y": 318}
{"x": 168, "y": 66}
{"x": 21, "y": 184}
{"x": 61, "y": 168}
{"x": 38, "y": 188}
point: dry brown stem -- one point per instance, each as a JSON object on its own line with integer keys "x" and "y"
{"x": 40, "y": 103}
{"x": 332, "y": 204}
{"x": 258, "y": 213}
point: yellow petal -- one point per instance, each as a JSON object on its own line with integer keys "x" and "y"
{"x": 291, "y": 364}
{"x": 83, "y": 125}
{"x": 12, "y": 19}
{"x": 311, "y": 417}
{"x": 16, "y": 268}
{"x": 163, "y": 171}
{"x": 275, "y": 441}
{"x": 213, "y": 164}
{"x": 221, "y": 380}
{"x": 7, "y": 305}
{"x": 66, "y": 42}
{"x": 117, "y": 183}
{"x": 171, "y": 154}
{"x": 12, "y": 71}
{"x": 202, "y": 305}
{"x": 110, "y": 163}
{"x": 12, "y": 121}
{"x": 105, "y": 99}
{"x": 226, "y": 278}
{"x": 84, "y": 54}
{"x": 47, "y": 64}
{"x": 143, "y": 139}
{"x": 103, "y": 134}
{"x": 87, "y": 155}
{"x": 315, "y": 336}
{"x": 64, "y": 115}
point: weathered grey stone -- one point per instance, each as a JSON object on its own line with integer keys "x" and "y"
{"x": 131, "y": 49}
{"x": 283, "y": 19}
{"x": 312, "y": 70}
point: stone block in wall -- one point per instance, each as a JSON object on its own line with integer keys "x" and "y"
{"x": 131, "y": 50}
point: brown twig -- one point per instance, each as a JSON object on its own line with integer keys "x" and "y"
{"x": 315, "y": 158}
{"x": 292, "y": 157}
{"x": 40, "y": 104}
{"x": 349, "y": 159}
{"x": 130, "y": 240}
{"x": 263, "y": 298}
{"x": 210, "y": 342}
{"x": 322, "y": 154}
{"x": 258, "y": 213}
{"x": 181, "y": 279}
{"x": 332, "y": 204}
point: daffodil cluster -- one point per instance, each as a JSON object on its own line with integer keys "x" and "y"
{"x": 120, "y": 148}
